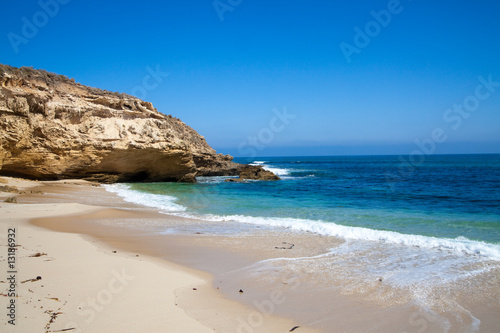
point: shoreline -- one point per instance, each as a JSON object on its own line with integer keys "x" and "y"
{"x": 84, "y": 269}
{"x": 319, "y": 281}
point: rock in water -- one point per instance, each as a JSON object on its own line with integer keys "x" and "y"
{"x": 54, "y": 128}
{"x": 256, "y": 172}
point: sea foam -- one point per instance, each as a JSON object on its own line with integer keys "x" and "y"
{"x": 276, "y": 171}
{"x": 459, "y": 245}
{"x": 160, "y": 201}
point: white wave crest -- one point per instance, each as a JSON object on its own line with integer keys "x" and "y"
{"x": 460, "y": 245}
{"x": 160, "y": 201}
{"x": 276, "y": 171}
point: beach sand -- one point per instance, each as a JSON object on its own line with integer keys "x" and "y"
{"x": 112, "y": 266}
{"x": 86, "y": 285}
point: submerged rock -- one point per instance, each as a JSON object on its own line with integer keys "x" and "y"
{"x": 54, "y": 128}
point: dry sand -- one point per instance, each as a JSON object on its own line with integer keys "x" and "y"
{"x": 71, "y": 282}
{"x": 110, "y": 266}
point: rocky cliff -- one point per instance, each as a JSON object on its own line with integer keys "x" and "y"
{"x": 54, "y": 128}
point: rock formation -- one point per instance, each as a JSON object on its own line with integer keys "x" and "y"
{"x": 54, "y": 128}
{"x": 254, "y": 172}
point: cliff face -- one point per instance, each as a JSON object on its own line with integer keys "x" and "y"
{"x": 54, "y": 128}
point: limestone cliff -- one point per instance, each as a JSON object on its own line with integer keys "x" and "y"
{"x": 54, "y": 128}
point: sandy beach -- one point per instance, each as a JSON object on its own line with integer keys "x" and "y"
{"x": 250, "y": 167}
{"x": 72, "y": 282}
{"x": 106, "y": 265}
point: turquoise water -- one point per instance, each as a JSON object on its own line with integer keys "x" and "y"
{"x": 430, "y": 232}
{"x": 448, "y": 197}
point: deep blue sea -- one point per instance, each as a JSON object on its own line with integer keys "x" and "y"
{"x": 442, "y": 201}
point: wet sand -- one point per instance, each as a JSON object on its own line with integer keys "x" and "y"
{"x": 286, "y": 278}
{"x": 86, "y": 284}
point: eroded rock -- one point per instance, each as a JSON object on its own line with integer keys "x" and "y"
{"x": 256, "y": 172}
{"x": 54, "y": 128}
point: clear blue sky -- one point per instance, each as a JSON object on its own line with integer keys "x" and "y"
{"x": 225, "y": 77}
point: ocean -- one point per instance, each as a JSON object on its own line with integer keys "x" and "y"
{"x": 426, "y": 226}
{"x": 449, "y": 201}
